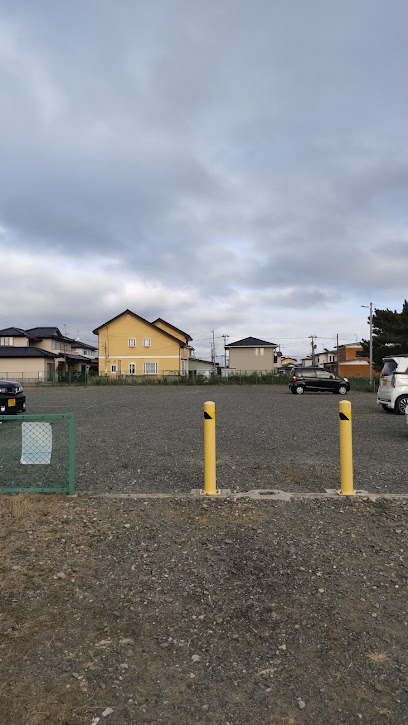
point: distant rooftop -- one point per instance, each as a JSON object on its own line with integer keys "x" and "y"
{"x": 251, "y": 342}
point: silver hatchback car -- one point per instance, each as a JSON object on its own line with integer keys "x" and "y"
{"x": 392, "y": 392}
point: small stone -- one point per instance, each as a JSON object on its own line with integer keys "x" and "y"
{"x": 282, "y": 647}
{"x": 127, "y": 526}
{"x": 196, "y": 658}
{"x": 301, "y": 703}
{"x": 321, "y": 591}
{"x": 398, "y": 531}
{"x": 126, "y": 640}
{"x": 107, "y": 712}
{"x": 61, "y": 575}
{"x": 378, "y": 687}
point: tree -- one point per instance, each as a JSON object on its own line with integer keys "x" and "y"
{"x": 390, "y": 334}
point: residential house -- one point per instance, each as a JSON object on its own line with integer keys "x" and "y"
{"x": 197, "y": 366}
{"x": 288, "y": 361}
{"x": 73, "y": 355}
{"x": 36, "y": 353}
{"x": 353, "y": 363}
{"x": 327, "y": 356}
{"x": 130, "y": 345}
{"x": 252, "y": 354}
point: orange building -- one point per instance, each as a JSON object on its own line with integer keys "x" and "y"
{"x": 353, "y": 363}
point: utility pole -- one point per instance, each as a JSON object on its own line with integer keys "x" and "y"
{"x": 312, "y": 337}
{"x": 370, "y": 307}
{"x": 213, "y": 351}
{"x": 338, "y": 363}
{"x": 225, "y": 352}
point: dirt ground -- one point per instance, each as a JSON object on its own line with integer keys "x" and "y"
{"x": 201, "y": 610}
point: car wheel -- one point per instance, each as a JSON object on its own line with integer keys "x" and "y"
{"x": 386, "y": 408}
{"x": 401, "y": 404}
{"x": 342, "y": 390}
{"x": 300, "y": 390}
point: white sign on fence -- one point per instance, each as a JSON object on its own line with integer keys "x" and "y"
{"x": 36, "y": 444}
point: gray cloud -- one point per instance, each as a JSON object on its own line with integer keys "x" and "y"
{"x": 246, "y": 156}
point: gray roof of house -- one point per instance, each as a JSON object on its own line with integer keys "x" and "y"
{"x": 25, "y": 352}
{"x": 41, "y": 333}
{"x": 251, "y": 342}
{"x": 44, "y": 332}
{"x": 13, "y": 332}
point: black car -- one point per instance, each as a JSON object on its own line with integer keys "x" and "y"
{"x": 316, "y": 379}
{"x": 12, "y": 398}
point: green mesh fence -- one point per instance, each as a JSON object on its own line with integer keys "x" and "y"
{"x": 37, "y": 453}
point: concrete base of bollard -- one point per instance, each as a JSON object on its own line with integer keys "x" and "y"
{"x": 358, "y": 492}
{"x": 223, "y": 492}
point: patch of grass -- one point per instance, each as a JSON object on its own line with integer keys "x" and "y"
{"x": 378, "y": 657}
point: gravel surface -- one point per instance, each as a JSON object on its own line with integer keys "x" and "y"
{"x": 150, "y": 439}
{"x": 202, "y": 610}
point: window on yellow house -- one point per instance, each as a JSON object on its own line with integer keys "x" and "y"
{"x": 113, "y": 369}
{"x": 147, "y": 342}
{"x": 132, "y": 342}
{"x": 150, "y": 368}
{"x": 132, "y": 368}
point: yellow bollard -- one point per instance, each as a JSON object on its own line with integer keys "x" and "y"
{"x": 346, "y": 450}
{"x": 210, "y": 488}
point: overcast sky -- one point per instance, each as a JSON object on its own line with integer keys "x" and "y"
{"x": 224, "y": 164}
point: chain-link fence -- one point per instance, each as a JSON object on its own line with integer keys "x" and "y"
{"x": 37, "y": 453}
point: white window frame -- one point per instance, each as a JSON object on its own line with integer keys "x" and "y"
{"x": 261, "y": 350}
{"x": 7, "y": 341}
{"x": 114, "y": 368}
{"x": 132, "y": 368}
{"x": 147, "y": 342}
{"x": 182, "y": 366}
{"x": 132, "y": 342}
{"x": 147, "y": 368}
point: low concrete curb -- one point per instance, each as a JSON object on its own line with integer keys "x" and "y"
{"x": 257, "y": 494}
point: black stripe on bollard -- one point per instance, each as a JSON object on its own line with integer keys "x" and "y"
{"x": 343, "y": 417}
{"x": 207, "y": 416}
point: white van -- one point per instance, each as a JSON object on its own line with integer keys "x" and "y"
{"x": 393, "y": 387}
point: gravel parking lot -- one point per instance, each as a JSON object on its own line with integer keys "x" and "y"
{"x": 212, "y": 610}
{"x": 150, "y": 439}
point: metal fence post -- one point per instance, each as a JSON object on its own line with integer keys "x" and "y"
{"x": 71, "y": 474}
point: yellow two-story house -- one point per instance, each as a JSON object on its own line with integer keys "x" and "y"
{"x": 130, "y": 345}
